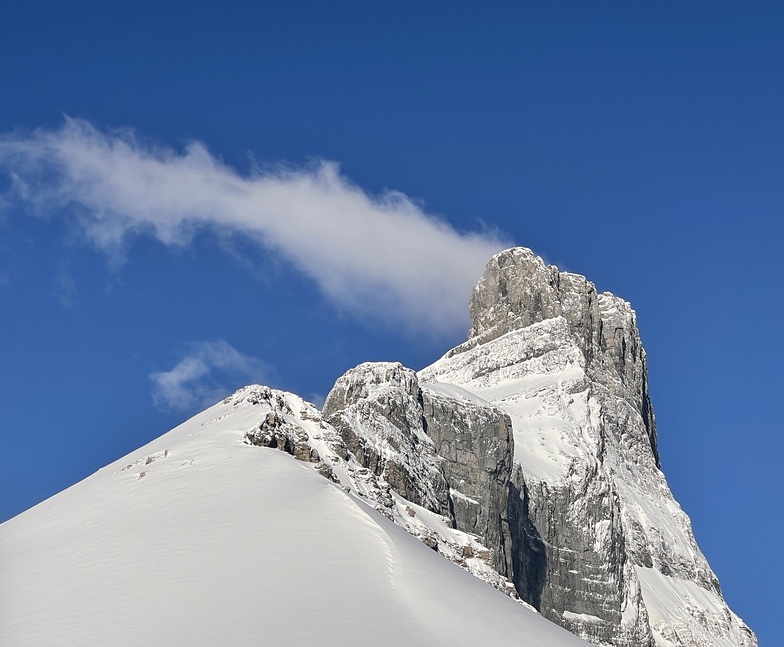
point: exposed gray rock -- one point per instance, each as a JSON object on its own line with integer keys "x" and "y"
{"x": 518, "y": 289}
{"x": 377, "y": 410}
{"x": 285, "y": 422}
{"x": 281, "y": 428}
{"x": 474, "y": 442}
{"x": 450, "y": 454}
{"x": 535, "y": 440}
{"x": 568, "y": 366}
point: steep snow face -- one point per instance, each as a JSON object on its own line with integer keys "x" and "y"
{"x": 566, "y": 364}
{"x": 201, "y": 538}
{"x": 681, "y": 612}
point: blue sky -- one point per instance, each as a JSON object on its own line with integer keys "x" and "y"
{"x": 193, "y": 200}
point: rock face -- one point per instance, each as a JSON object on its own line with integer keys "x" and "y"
{"x": 518, "y": 290}
{"x": 375, "y": 460}
{"x": 448, "y": 452}
{"x": 537, "y": 436}
{"x": 528, "y": 456}
{"x": 377, "y": 409}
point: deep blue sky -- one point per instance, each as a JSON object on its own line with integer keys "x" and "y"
{"x": 640, "y": 145}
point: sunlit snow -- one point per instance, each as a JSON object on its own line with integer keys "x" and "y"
{"x": 201, "y": 539}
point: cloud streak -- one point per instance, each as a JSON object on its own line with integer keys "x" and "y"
{"x": 207, "y": 373}
{"x": 373, "y": 255}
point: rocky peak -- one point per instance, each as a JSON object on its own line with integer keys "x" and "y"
{"x": 519, "y": 289}
{"x": 604, "y": 535}
{"x": 528, "y": 454}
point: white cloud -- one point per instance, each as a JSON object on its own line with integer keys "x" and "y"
{"x": 207, "y": 373}
{"x": 374, "y": 255}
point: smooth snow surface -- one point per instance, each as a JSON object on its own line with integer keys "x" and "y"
{"x": 201, "y": 539}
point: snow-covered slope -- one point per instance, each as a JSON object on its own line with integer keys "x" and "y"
{"x": 201, "y": 538}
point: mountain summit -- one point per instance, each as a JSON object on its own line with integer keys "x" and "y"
{"x": 613, "y": 557}
{"x": 527, "y": 456}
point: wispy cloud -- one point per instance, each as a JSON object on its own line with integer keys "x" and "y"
{"x": 205, "y": 374}
{"x": 379, "y": 255}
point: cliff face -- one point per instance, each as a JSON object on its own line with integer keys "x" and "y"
{"x": 445, "y": 450}
{"x": 518, "y": 290}
{"x": 537, "y": 436}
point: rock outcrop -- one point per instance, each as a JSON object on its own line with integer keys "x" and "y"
{"x": 537, "y": 436}
{"x": 377, "y": 461}
{"x": 448, "y": 452}
{"x": 528, "y": 455}
{"x": 377, "y": 410}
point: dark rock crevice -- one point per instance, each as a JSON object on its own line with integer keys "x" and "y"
{"x": 527, "y": 553}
